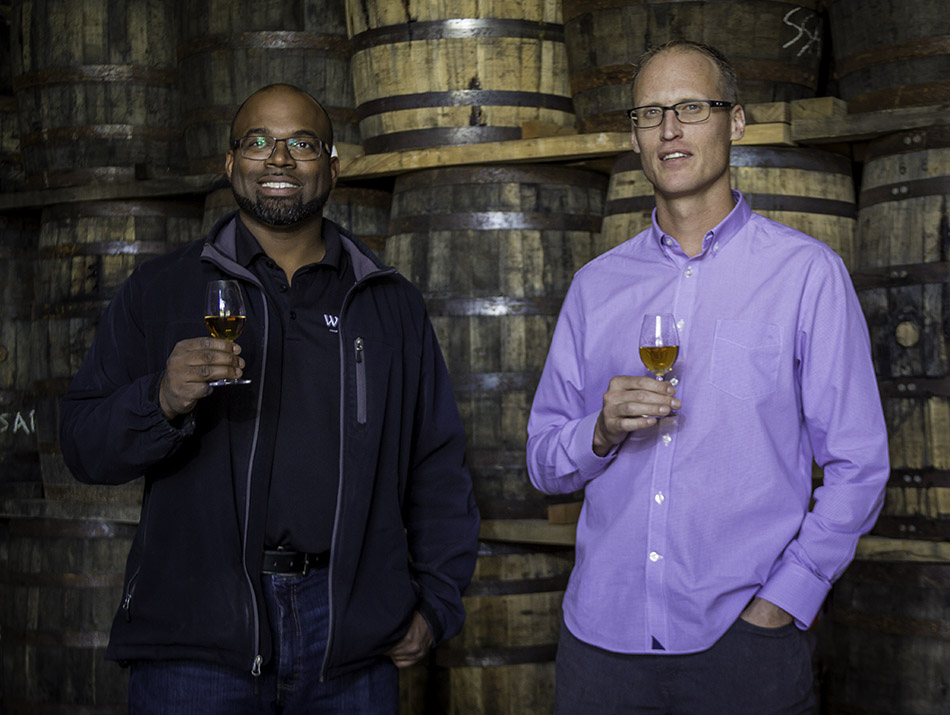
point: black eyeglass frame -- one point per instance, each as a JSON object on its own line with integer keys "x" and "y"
{"x": 713, "y": 104}
{"x": 237, "y": 144}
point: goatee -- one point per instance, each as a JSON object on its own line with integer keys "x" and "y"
{"x": 279, "y": 211}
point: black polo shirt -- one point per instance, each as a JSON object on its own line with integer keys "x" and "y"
{"x": 305, "y": 472}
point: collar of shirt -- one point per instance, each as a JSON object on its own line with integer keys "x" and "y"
{"x": 715, "y": 239}
{"x": 248, "y": 249}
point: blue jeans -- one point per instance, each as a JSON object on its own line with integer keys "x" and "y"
{"x": 298, "y": 610}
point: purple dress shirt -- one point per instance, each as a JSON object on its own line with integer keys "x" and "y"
{"x": 685, "y": 522}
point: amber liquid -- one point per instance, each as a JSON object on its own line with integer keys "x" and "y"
{"x": 659, "y": 361}
{"x": 225, "y": 327}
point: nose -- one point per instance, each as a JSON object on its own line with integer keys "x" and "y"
{"x": 281, "y": 155}
{"x": 671, "y": 127}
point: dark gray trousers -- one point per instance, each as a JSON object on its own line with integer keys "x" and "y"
{"x": 749, "y": 671}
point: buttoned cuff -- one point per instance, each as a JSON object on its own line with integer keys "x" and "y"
{"x": 582, "y": 448}
{"x": 797, "y": 590}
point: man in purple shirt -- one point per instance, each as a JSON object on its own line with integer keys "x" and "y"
{"x": 702, "y": 553}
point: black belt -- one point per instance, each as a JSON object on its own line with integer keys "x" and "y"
{"x": 293, "y": 562}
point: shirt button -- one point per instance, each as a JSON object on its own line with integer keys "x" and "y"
{"x": 654, "y": 556}
{"x": 283, "y": 288}
{"x": 293, "y": 315}
{"x": 681, "y": 324}
{"x": 659, "y": 498}
{"x": 689, "y": 272}
{"x": 667, "y": 439}
{"x": 668, "y": 241}
{"x": 674, "y": 381}
{"x": 716, "y": 247}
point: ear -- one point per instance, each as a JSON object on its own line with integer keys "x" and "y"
{"x": 334, "y": 170}
{"x": 738, "y": 123}
{"x": 633, "y": 139}
{"x": 229, "y": 163}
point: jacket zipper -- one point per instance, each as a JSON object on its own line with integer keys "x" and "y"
{"x": 360, "y": 382}
{"x": 258, "y": 658}
{"x": 361, "y": 376}
{"x": 127, "y": 603}
{"x": 130, "y": 586}
{"x": 361, "y": 417}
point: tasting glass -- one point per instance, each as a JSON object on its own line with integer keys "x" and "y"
{"x": 659, "y": 343}
{"x": 225, "y": 316}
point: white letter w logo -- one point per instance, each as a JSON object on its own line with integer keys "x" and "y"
{"x": 331, "y": 321}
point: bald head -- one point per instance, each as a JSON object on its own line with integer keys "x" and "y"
{"x": 275, "y": 92}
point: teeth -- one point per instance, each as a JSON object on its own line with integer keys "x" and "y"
{"x": 278, "y": 185}
{"x": 674, "y": 155}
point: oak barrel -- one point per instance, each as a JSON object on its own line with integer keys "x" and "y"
{"x": 231, "y": 49}
{"x": 889, "y": 640}
{"x": 449, "y": 72}
{"x": 96, "y": 89}
{"x": 808, "y": 189}
{"x": 11, "y": 163}
{"x": 775, "y": 46}
{"x": 890, "y": 612}
{"x": 891, "y": 54}
{"x": 60, "y": 586}
{"x": 86, "y": 251}
{"x": 502, "y": 663}
{"x": 19, "y": 458}
{"x": 494, "y": 249}
{"x": 903, "y": 280}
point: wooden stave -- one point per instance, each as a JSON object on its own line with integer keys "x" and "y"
{"x": 19, "y": 456}
{"x": 85, "y": 252}
{"x": 303, "y": 43}
{"x": 61, "y": 583}
{"x": 494, "y": 336}
{"x": 483, "y": 106}
{"x": 826, "y": 210}
{"x": 503, "y": 660}
{"x": 100, "y": 111}
{"x": 601, "y": 69}
{"x": 901, "y": 59}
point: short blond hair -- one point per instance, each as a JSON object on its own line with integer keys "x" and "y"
{"x": 728, "y": 82}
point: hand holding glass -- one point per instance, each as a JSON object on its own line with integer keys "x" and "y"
{"x": 225, "y": 316}
{"x": 659, "y": 343}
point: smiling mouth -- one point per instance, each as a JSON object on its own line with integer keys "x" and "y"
{"x": 674, "y": 155}
{"x": 273, "y": 184}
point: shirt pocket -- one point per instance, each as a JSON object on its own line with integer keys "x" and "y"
{"x": 745, "y": 358}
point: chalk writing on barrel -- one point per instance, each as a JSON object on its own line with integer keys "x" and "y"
{"x": 811, "y": 38}
{"x": 14, "y": 422}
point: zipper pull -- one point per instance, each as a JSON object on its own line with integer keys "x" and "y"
{"x": 359, "y": 350}
{"x": 127, "y": 606}
{"x": 256, "y": 668}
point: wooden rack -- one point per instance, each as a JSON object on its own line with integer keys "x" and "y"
{"x": 823, "y": 120}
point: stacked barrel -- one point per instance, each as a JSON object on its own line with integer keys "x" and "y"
{"x": 114, "y": 121}
{"x": 493, "y": 247}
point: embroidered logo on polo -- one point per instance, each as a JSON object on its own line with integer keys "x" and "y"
{"x": 332, "y": 322}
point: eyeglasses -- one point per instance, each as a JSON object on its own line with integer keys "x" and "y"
{"x": 260, "y": 148}
{"x": 691, "y": 111}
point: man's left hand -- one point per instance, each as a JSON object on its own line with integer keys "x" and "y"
{"x": 764, "y": 614}
{"x": 414, "y": 645}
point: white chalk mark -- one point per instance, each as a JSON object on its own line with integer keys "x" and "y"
{"x": 803, "y": 31}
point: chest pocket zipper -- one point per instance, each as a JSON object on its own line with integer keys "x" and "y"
{"x": 360, "y": 382}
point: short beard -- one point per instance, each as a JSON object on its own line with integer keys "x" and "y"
{"x": 280, "y": 211}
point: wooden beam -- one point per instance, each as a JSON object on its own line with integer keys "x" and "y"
{"x": 527, "y": 531}
{"x": 567, "y": 513}
{"x": 572, "y": 147}
{"x": 857, "y": 127}
{"x": 199, "y": 184}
